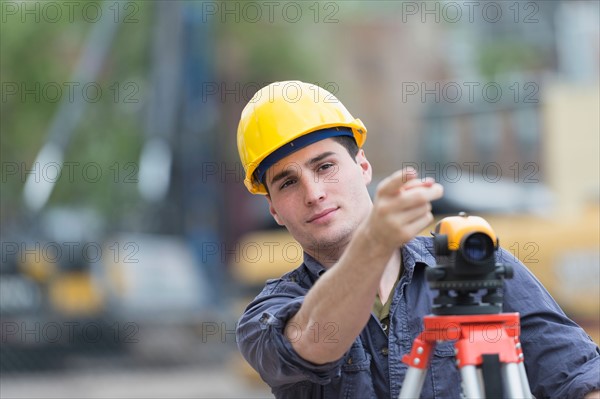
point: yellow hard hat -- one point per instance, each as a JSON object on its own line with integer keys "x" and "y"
{"x": 280, "y": 118}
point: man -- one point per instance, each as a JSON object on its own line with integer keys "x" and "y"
{"x": 338, "y": 325}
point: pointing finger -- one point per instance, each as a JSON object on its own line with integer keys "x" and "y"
{"x": 426, "y": 182}
{"x": 392, "y": 184}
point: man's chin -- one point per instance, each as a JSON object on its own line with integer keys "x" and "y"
{"x": 330, "y": 243}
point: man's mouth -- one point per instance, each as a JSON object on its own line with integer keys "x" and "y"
{"x": 321, "y": 215}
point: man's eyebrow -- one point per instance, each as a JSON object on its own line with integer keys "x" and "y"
{"x": 281, "y": 175}
{"x": 319, "y": 158}
{"x": 288, "y": 171}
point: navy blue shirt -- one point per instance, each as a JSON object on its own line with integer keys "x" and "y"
{"x": 560, "y": 358}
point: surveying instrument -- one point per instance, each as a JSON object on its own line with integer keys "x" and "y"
{"x": 467, "y": 310}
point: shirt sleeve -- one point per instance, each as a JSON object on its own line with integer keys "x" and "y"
{"x": 261, "y": 339}
{"x": 560, "y": 358}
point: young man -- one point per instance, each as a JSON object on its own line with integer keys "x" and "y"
{"x": 338, "y": 325}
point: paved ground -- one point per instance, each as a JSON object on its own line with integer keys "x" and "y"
{"x": 220, "y": 382}
{"x": 163, "y": 362}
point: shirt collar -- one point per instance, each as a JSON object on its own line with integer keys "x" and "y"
{"x": 313, "y": 266}
{"x": 417, "y": 250}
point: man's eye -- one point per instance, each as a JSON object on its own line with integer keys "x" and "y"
{"x": 287, "y": 183}
{"x": 325, "y": 166}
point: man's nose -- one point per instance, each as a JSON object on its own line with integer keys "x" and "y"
{"x": 314, "y": 191}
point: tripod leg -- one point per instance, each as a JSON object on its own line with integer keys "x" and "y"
{"x": 413, "y": 383}
{"x": 492, "y": 377}
{"x": 512, "y": 380}
{"x": 470, "y": 380}
{"x": 417, "y": 362}
{"x": 525, "y": 382}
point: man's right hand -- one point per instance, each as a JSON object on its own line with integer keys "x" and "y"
{"x": 401, "y": 208}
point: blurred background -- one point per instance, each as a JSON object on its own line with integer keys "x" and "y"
{"x": 129, "y": 245}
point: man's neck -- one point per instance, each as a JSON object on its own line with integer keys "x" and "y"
{"x": 327, "y": 257}
{"x": 391, "y": 273}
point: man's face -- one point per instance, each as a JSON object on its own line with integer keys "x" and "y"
{"x": 319, "y": 193}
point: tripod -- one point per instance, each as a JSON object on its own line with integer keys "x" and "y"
{"x": 467, "y": 310}
{"x": 487, "y": 342}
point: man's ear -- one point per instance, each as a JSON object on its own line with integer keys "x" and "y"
{"x": 365, "y": 165}
{"x": 272, "y": 211}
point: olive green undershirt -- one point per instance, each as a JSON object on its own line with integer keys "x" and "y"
{"x": 382, "y": 310}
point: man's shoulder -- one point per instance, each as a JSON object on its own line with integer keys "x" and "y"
{"x": 423, "y": 243}
{"x": 420, "y": 250}
{"x": 294, "y": 281}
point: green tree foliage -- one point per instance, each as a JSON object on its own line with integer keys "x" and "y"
{"x": 38, "y": 54}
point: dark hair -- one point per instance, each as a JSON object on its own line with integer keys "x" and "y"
{"x": 348, "y": 143}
